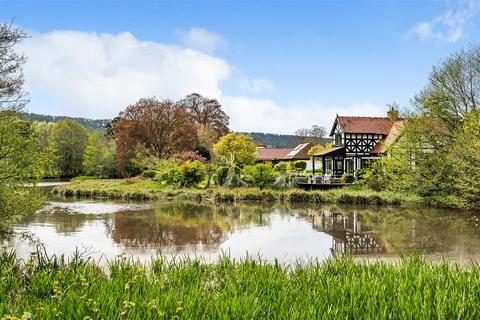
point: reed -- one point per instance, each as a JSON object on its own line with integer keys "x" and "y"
{"x": 76, "y": 288}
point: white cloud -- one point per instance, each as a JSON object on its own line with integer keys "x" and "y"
{"x": 202, "y": 39}
{"x": 451, "y": 25}
{"x": 94, "y": 75}
{"x": 247, "y": 114}
{"x": 97, "y": 75}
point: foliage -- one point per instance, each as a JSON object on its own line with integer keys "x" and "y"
{"x": 281, "y": 167}
{"x": 285, "y": 180}
{"x": 236, "y": 149}
{"x": 260, "y": 175}
{"x": 162, "y": 127}
{"x": 233, "y": 178}
{"x": 69, "y": 140}
{"x": 314, "y": 135}
{"x": 149, "y": 173}
{"x": 74, "y": 288}
{"x": 193, "y": 172}
{"x": 99, "y": 157}
{"x": 203, "y": 151}
{"x": 348, "y": 178}
{"x": 186, "y": 156}
{"x": 319, "y": 148}
{"x": 205, "y": 112}
{"x": 97, "y": 125}
{"x": 298, "y": 166}
{"x": 221, "y": 175}
{"x": 168, "y": 171}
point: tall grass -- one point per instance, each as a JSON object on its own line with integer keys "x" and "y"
{"x": 47, "y": 288}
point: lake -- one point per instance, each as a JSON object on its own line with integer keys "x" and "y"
{"x": 106, "y": 229}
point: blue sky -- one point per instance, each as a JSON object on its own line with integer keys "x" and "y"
{"x": 275, "y": 65}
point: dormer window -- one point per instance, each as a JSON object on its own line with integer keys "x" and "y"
{"x": 338, "y": 139}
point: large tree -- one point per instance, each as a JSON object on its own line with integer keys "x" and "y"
{"x": 69, "y": 140}
{"x": 12, "y": 96}
{"x": 239, "y": 149}
{"x": 163, "y": 127}
{"x": 206, "y": 112}
{"x": 453, "y": 89}
{"x": 20, "y": 157}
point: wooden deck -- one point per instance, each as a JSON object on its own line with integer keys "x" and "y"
{"x": 322, "y": 186}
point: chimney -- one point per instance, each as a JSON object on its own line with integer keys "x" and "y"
{"x": 392, "y": 113}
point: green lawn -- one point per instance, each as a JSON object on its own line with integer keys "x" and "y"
{"x": 189, "y": 289}
{"x": 149, "y": 189}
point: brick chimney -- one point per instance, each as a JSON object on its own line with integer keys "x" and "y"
{"x": 392, "y": 113}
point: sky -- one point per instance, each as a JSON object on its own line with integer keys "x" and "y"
{"x": 275, "y": 66}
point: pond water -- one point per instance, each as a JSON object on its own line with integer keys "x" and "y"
{"x": 105, "y": 229}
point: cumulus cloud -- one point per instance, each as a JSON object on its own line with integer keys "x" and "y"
{"x": 97, "y": 75}
{"x": 247, "y": 114}
{"x": 202, "y": 39}
{"x": 89, "y": 74}
{"x": 451, "y": 25}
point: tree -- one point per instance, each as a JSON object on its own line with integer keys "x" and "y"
{"x": 453, "y": 90}
{"x": 69, "y": 140}
{"x": 236, "y": 149}
{"x": 162, "y": 127}
{"x": 206, "y": 113}
{"x": 99, "y": 156}
{"x": 193, "y": 172}
{"x": 12, "y": 96}
{"x": 21, "y": 159}
{"x": 314, "y": 135}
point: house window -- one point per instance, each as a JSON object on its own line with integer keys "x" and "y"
{"x": 328, "y": 166}
{"x": 338, "y": 139}
{"x": 349, "y": 165}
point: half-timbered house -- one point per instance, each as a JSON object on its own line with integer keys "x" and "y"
{"x": 356, "y": 142}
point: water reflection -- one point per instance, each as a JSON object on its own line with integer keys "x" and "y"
{"x": 275, "y": 232}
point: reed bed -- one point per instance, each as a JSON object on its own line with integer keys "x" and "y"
{"x": 54, "y": 287}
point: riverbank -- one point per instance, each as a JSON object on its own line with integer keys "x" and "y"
{"x": 46, "y": 288}
{"x": 147, "y": 189}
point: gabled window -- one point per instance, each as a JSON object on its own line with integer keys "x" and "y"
{"x": 338, "y": 139}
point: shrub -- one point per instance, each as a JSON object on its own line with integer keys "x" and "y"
{"x": 260, "y": 174}
{"x": 189, "y": 156}
{"x": 192, "y": 172}
{"x": 281, "y": 167}
{"x": 221, "y": 175}
{"x": 170, "y": 175}
{"x": 149, "y": 173}
{"x": 233, "y": 178}
{"x": 348, "y": 178}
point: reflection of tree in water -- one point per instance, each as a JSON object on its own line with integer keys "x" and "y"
{"x": 64, "y": 223}
{"x": 395, "y": 230}
{"x": 176, "y": 226}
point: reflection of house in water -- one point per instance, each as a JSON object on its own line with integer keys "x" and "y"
{"x": 347, "y": 234}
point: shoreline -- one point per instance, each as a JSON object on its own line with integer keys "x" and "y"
{"x": 146, "y": 189}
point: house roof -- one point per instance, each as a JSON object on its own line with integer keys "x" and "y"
{"x": 300, "y": 152}
{"x": 375, "y": 125}
{"x": 392, "y": 136}
{"x": 272, "y": 153}
{"x": 331, "y": 151}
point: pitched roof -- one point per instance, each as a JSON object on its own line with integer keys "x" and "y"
{"x": 392, "y": 136}
{"x": 272, "y": 153}
{"x": 375, "y": 125}
{"x": 300, "y": 152}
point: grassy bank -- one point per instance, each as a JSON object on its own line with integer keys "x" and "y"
{"x": 337, "y": 289}
{"x": 146, "y": 189}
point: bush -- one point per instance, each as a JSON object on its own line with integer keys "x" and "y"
{"x": 348, "y": 178}
{"x": 298, "y": 166}
{"x": 149, "y": 173}
{"x": 221, "y": 175}
{"x": 233, "y": 178}
{"x": 281, "y": 167}
{"x": 170, "y": 175}
{"x": 260, "y": 174}
{"x": 192, "y": 172}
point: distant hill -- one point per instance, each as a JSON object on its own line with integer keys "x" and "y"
{"x": 95, "y": 125}
{"x": 271, "y": 140}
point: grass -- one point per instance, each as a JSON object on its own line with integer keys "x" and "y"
{"x": 147, "y": 189}
{"x": 47, "y": 288}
